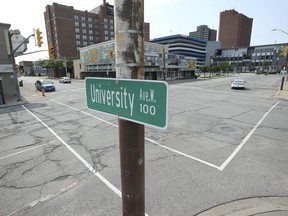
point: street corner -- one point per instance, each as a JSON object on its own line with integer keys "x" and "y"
{"x": 282, "y": 94}
{"x": 267, "y": 206}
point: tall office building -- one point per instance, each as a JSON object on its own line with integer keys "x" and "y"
{"x": 204, "y": 33}
{"x": 234, "y": 29}
{"x": 68, "y": 30}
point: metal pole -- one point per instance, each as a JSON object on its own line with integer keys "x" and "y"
{"x": 129, "y": 50}
{"x": 18, "y": 96}
{"x": 164, "y": 64}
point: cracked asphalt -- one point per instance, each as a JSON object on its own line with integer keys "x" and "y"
{"x": 48, "y": 144}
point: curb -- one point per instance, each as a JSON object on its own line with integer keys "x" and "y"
{"x": 260, "y": 206}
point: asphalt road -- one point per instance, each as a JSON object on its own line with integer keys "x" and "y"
{"x": 221, "y": 145}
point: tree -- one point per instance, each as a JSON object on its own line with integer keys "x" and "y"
{"x": 55, "y": 64}
{"x": 204, "y": 69}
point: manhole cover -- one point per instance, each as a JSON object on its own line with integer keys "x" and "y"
{"x": 228, "y": 129}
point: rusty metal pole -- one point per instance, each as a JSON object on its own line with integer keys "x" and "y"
{"x": 129, "y": 49}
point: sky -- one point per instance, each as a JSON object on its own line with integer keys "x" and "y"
{"x": 166, "y": 17}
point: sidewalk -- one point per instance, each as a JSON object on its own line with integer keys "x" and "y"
{"x": 282, "y": 94}
{"x": 260, "y": 206}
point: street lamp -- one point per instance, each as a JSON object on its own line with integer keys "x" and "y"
{"x": 280, "y": 30}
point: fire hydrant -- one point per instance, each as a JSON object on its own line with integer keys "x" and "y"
{"x": 43, "y": 92}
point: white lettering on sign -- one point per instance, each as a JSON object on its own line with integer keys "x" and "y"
{"x": 120, "y": 99}
{"x": 145, "y": 96}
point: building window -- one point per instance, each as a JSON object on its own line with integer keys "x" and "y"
{"x": 77, "y": 36}
{"x": 77, "y": 24}
{"x": 77, "y": 30}
{"x": 111, "y": 21}
{"x": 84, "y": 31}
{"x": 91, "y": 38}
{"x": 76, "y": 17}
{"x": 106, "y": 32}
{"x": 106, "y": 38}
{"x": 90, "y": 20}
{"x": 78, "y": 43}
{"x": 105, "y": 20}
{"x": 83, "y": 19}
{"x": 84, "y": 37}
{"x": 91, "y": 32}
{"x": 90, "y": 26}
{"x": 84, "y": 43}
{"x": 83, "y": 25}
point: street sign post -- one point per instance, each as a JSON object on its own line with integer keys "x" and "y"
{"x": 139, "y": 101}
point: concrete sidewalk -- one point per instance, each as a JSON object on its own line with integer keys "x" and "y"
{"x": 282, "y": 94}
{"x": 260, "y": 206}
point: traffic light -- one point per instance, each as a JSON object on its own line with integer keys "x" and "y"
{"x": 39, "y": 37}
{"x": 110, "y": 54}
{"x": 51, "y": 51}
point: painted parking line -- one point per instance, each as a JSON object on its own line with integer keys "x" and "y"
{"x": 225, "y": 163}
{"x": 234, "y": 153}
{"x": 20, "y": 152}
{"x": 76, "y": 154}
{"x": 148, "y": 139}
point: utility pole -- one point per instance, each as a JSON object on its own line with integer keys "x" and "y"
{"x": 129, "y": 59}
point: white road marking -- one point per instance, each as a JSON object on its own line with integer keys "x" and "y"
{"x": 43, "y": 199}
{"x": 7, "y": 156}
{"x": 183, "y": 154}
{"x": 228, "y": 160}
{"x": 107, "y": 122}
{"x": 76, "y": 154}
{"x": 150, "y": 140}
{"x": 105, "y": 181}
{"x": 221, "y": 168}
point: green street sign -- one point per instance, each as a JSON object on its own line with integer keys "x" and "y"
{"x": 139, "y": 101}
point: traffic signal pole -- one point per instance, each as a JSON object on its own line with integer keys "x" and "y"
{"x": 12, "y": 52}
{"x": 129, "y": 51}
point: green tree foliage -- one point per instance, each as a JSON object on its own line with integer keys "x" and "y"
{"x": 204, "y": 69}
{"x": 56, "y": 65}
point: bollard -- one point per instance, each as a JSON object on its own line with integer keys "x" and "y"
{"x": 43, "y": 92}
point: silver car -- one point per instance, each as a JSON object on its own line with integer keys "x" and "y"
{"x": 65, "y": 80}
{"x": 238, "y": 84}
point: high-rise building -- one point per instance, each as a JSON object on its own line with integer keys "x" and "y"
{"x": 234, "y": 29}
{"x": 204, "y": 33}
{"x": 68, "y": 30}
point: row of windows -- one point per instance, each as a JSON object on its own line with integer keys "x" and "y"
{"x": 91, "y": 32}
{"x": 83, "y": 25}
{"x": 90, "y": 20}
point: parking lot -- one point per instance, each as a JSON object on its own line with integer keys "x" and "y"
{"x": 59, "y": 158}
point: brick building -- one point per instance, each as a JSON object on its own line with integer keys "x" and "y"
{"x": 234, "y": 29}
{"x": 68, "y": 30}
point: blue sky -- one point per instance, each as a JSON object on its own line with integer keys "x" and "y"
{"x": 166, "y": 17}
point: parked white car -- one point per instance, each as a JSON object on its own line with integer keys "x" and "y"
{"x": 65, "y": 80}
{"x": 238, "y": 84}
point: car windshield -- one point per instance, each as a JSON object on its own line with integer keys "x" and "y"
{"x": 238, "y": 81}
{"x": 45, "y": 82}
